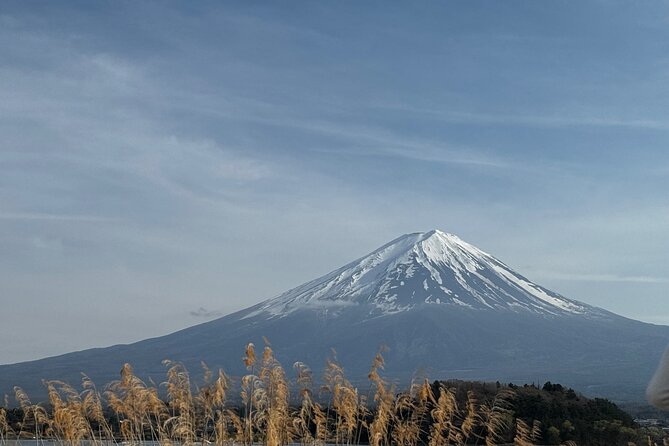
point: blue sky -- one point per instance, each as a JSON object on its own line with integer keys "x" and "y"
{"x": 162, "y": 163}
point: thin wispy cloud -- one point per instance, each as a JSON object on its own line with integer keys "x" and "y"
{"x": 613, "y": 278}
{"x": 439, "y": 154}
{"x": 205, "y": 314}
{"x": 567, "y": 118}
{"x": 56, "y": 217}
{"x": 367, "y": 141}
{"x": 425, "y": 152}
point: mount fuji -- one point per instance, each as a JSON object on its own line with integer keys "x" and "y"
{"x": 441, "y": 306}
{"x": 415, "y": 270}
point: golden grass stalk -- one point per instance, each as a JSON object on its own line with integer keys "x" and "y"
{"x": 249, "y": 394}
{"x": 92, "y": 406}
{"x": 472, "y": 419}
{"x": 346, "y": 404}
{"x": 137, "y": 407}
{"x": 406, "y": 431}
{"x": 209, "y": 403}
{"x": 523, "y": 434}
{"x": 320, "y": 421}
{"x": 409, "y": 414}
{"x": 4, "y": 425}
{"x": 278, "y": 423}
{"x": 425, "y": 396}
{"x": 33, "y": 414}
{"x": 258, "y": 422}
{"x": 181, "y": 424}
{"x": 204, "y": 404}
{"x": 68, "y": 422}
{"x": 364, "y": 413}
{"x": 344, "y": 401}
{"x": 222, "y": 428}
{"x": 443, "y": 430}
{"x": 249, "y": 356}
{"x": 527, "y": 435}
{"x": 305, "y": 416}
{"x": 332, "y": 369}
{"x": 156, "y": 414}
{"x": 535, "y": 434}
{"x": 497, "y": 416}
{"x": 249, "y": 359}
{"x": 221, "y": 386}
{"x": 383, "y": 398}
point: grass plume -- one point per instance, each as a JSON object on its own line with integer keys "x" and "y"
{"x": 177, "y": 412}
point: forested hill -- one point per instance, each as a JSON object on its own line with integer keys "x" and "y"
{"x": 559, "y": 413}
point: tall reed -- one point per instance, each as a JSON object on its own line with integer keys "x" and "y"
{"x": 181, "y": 424}
{"x": 4, "y": 425}
{"x": 248, "y": 391}
{"x": 276, "y": 390}
{"x": 497, "y": 416}
{"x": 445, "y": 409}
{"x": 134, "y": 412}
{"x": 305, "y": 416}
{"x": 68, "y": 415}
{"x": 384, "y": 399}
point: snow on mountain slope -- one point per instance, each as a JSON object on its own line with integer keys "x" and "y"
{"x": 438, "y": 303}
{"x": 432, "y": 268}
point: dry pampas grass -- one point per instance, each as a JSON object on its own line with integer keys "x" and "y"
{"x": 176, "y": 412}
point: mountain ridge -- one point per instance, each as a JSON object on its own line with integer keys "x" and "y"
{"x": 432, "y": 256}
{"x": 490, "y": 323}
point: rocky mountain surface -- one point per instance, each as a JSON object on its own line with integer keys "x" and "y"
{"x": 441, "y": 306}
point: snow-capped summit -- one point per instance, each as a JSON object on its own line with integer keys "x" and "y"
{"x": 424, "y": 268}
{"x": 438, "y": 303}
